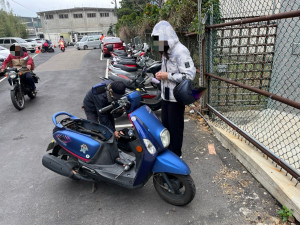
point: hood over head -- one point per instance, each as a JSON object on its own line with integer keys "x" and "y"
{"x": 165, "y": 32}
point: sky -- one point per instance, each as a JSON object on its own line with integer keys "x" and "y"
{"x": 28, "y": 8}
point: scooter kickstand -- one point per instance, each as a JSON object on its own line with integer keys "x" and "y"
{"x": 94, "y": 187}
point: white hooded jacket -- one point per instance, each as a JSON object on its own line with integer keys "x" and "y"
{"x": 179, "y": 63}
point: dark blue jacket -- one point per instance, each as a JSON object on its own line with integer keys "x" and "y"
{"x": 93, "y": 102}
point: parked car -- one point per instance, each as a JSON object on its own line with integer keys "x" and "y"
{"x": 8, "y": 41}
{"x": 115, "y": 41}
{"x": 89, "y": 42}
{"x": 4, "y": 52}
{"x": 38, "y": 42}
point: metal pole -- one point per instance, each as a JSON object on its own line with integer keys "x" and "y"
{"x": 210, "y": 60}
{"x": 259, "y": 91}
{"x": 199, "y": 39}
{"x": 46, "y": 23}
{"x": 277, "y": 16}
{"x": 116, "y": 8}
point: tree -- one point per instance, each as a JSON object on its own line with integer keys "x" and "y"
{"x": 11, "y": 26}
{"x": 110, "y": 30}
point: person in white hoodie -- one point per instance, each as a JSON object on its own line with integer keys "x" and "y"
{"x": 176, "y": 64}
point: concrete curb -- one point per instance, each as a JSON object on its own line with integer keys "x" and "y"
{"x": 275, "y": 181}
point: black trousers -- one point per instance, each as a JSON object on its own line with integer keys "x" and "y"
{"x": 172, "y": 115}
{"x": 91, "y": 116}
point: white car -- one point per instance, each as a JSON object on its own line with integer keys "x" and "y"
{"x": 8, "y": 41}
{"x": 38, "y": 42}
{"x": 4, "y": 52}
{"x": 89, "y": 42}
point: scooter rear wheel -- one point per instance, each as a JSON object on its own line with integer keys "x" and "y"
{"x": 183, "y": 188}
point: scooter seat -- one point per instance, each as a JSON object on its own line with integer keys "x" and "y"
{"x": 126, "y": 68}
{"x": 116, "y": 50}
{"x": 120, "y": 53}
{"x": 126, "y": 62}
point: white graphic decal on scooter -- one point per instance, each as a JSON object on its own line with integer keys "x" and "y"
{"x": 84, "y": 148}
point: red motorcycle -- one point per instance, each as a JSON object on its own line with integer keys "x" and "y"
{"x": 62, "y": 46}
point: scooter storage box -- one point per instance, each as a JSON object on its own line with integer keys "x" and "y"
{"x": 81, "y": 138}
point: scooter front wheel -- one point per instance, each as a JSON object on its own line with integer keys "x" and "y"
{"x": 174, "y": 188}
{"x": 17, "y": 98}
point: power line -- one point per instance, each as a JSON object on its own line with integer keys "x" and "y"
{"x": 23, "y": 6}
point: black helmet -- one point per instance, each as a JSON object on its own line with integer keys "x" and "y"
{"x": 185, "y": 94}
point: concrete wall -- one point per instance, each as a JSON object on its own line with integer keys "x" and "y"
{"x": 285, "y": 78}
{"x": 82, "y": 25}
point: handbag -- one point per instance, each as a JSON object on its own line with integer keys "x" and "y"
{"x": 185, "y": 93}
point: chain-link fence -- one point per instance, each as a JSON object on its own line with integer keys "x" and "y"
{"x": 256, "y": 44}
{"x": 248, "y": 57}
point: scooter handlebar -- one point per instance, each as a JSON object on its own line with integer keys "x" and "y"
{"x": 123, "y": 102}
{"x": 106, "y": 109}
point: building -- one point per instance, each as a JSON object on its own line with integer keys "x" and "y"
{"x": 73, "y": 23}
{"x": 33, "y": 26}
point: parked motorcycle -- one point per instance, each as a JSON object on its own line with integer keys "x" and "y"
{"x": 50, "y": 49}
{"x": 151, "y": 67}
{"x": 84, "y": 150}
{"x": 150, "y": 97}
{"x": 19, "y": 87}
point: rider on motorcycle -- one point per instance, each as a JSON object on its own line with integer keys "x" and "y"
{"x": 16, "y": 60}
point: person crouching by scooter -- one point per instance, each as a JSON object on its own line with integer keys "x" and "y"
{"x": 100, "y": 96}
{"x": 16, "y": 58}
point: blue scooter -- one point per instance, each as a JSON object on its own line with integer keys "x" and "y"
{"x": 84, "y": 150}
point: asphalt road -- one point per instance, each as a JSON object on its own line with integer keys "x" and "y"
{"x": 31, "y": 194}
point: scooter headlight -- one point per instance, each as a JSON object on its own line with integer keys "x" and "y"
{"x": 12, "y": 75}
{"x": 150, "y": 147}
{"x": 165, "y": 137}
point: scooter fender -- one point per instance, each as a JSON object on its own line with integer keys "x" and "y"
{"x": 168, "y": 162}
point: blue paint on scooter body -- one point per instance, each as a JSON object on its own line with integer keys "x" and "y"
{"x": 147, "y": 126}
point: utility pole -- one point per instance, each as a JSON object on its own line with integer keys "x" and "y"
{"x": 33, "y": 25}
{"x": 46, "y": 23}
{"x": 116, "y": 7}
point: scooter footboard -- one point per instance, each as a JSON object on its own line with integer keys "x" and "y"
{"x": 168, "y": 162}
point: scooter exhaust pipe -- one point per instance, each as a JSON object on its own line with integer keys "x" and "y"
{"x": 57, "y": 165}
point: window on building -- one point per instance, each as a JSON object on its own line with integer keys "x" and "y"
{"x": 63, "y": 16}
{"x": 49, "y": 17}
{"x": 104, "y": 14}
{"x": 90, "y": 15}
{"x": 79, "y": 15}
